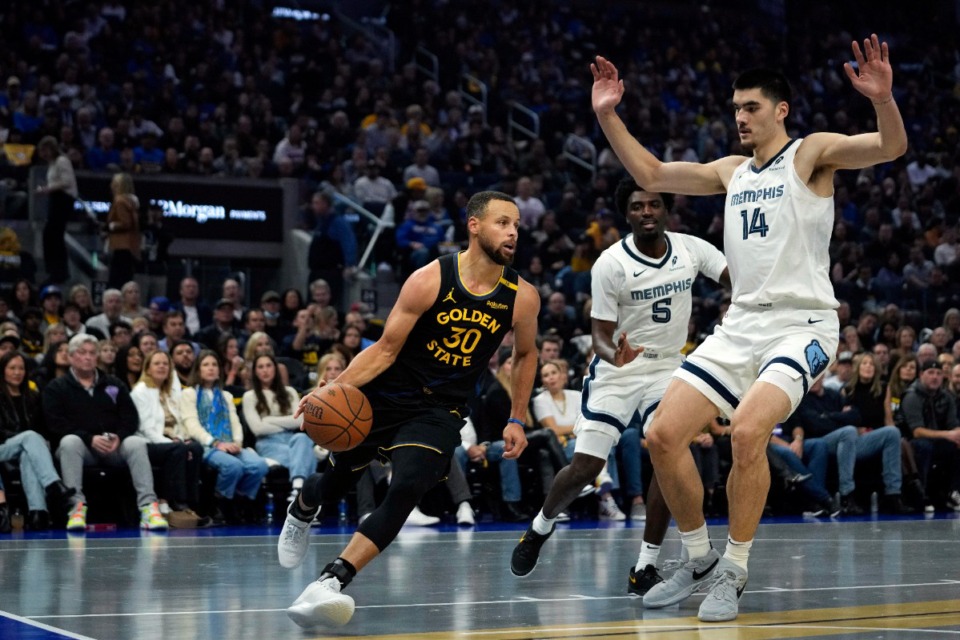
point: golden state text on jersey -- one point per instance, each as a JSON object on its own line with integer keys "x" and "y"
{"x": 451, "y": 343}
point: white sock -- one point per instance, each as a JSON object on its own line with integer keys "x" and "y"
{"x": 696, "y": 542}
{"x": 297, "y": 483}
{"x": 542, "y": 524}
{"x": 738, "y": 552}
{"x": 649, "y": 554}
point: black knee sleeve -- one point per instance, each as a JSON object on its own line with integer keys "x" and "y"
{"x": 328, "y": 487}
{"x": 310, "y": 492}
{"x": 415, "y": 471}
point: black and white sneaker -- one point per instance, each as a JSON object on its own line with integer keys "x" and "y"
{"x": 527, "y": 552}
{"x": 639, "y": 583}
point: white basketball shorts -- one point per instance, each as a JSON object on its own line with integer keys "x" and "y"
{"x": 613, "y": 396}
{"x": 798, "y": 344}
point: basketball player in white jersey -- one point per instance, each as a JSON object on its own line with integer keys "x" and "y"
{"x": 782, "y": 329}
{"x": 641, "y": 307}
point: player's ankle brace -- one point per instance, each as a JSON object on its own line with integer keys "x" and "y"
{"x": 300, "y": 514}
{"x": 340, "y": 569}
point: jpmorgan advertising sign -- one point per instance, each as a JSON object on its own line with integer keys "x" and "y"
{"x": 204, "y": 209}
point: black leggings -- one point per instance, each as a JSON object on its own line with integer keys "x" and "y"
{"x": 416, "y": 470}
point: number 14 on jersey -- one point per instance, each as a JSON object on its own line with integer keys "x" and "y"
{"x": 757, "y": 223}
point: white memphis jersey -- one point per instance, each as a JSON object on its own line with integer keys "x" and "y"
{"x": 650, "y": 298}
{"x": 776, "y": 237}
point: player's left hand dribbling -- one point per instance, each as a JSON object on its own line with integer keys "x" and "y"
{"x": 514, "y": 441}
{"x": 303, "y": 401}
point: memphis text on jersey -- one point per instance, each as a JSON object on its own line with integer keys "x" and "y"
{"x": 456, "y": 348}
{"x": 756, "y": 195}
{"x": 662, "y": 290}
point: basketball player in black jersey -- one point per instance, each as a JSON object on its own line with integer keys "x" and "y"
{"x": 450, "y": 318}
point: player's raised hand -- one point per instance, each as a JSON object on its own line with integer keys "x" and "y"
{"x": 607, "y": 86}
{"x": 874, "y": 75}
{"x": 625, "y": 353}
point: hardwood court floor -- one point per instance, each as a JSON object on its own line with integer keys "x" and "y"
{"x": 856, "y": 578}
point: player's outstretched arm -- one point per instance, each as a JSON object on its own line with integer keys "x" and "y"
{"x": 873, "y": 78}
{"x": 525, "y": 358}
{"x": 650, "y": 173}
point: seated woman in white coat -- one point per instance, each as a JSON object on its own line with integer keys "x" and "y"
{"x": 268, "y": 409}
{"x": 158, "y": 405}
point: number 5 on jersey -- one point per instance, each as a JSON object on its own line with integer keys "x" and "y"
{"x": 661, "y": 311}
{"x": 758, "y": 223}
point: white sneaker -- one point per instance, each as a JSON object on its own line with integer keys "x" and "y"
{"x": 465, "y": 514}
{"x": 723, "y": 600}
{"x": 638, "y": 512}
{"x": 418, "y": 518}
{"x": 322, "y": 602}
{"x": 610, "y": 511}
{"x": 563, "y": 516}
{"x": 293, "y": 542}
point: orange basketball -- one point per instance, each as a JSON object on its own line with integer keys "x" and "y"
{"x": 337, "y": 416}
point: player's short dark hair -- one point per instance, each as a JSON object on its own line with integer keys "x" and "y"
{"x": 627, "y": 187}
{"x": 477, "y": 205}
{"x": 772, "y": 84}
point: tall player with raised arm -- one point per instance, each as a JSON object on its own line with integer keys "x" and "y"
{"x": 782, "y": 329}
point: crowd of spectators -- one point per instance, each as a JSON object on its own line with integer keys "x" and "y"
{"x": 224, "y": 89}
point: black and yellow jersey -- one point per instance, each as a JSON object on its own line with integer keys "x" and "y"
{"x": 450, "y": 345}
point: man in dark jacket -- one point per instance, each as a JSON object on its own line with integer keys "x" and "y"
{"x": 928, "y": 415}
{"x": 91, "y": 419}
